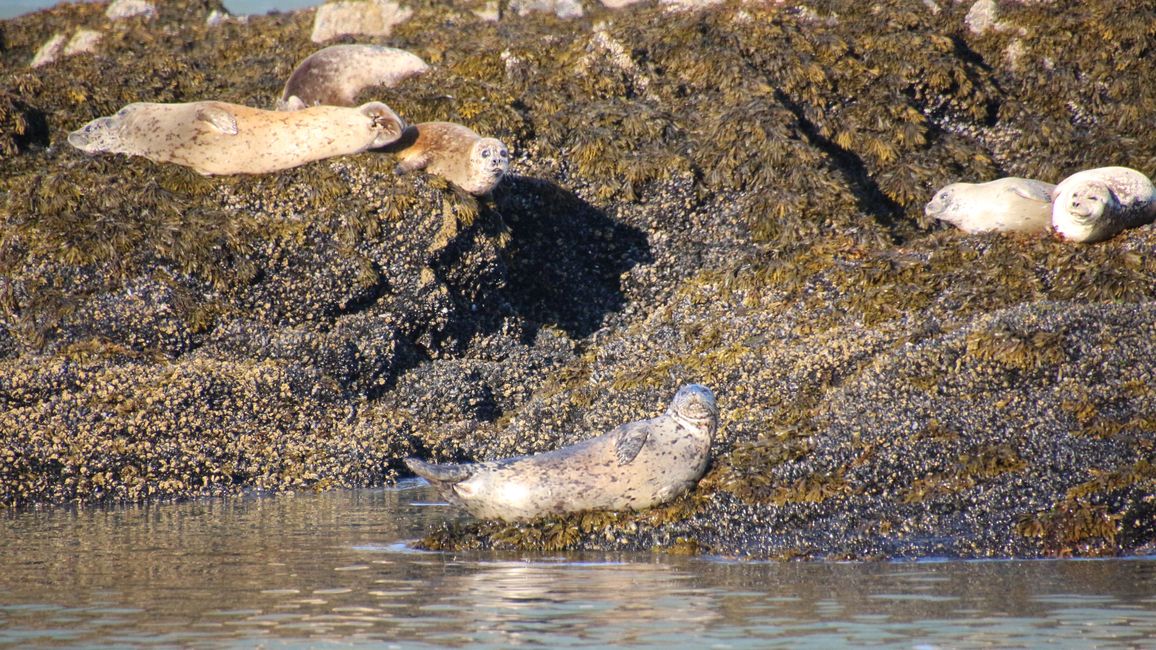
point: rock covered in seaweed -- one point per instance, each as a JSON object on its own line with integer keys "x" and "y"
{"x": 732, "y": 195}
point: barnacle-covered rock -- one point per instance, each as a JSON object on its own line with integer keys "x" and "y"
{"x": 731, "y": 196}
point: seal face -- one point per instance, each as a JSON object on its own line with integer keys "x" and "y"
{"x": 222, "y": 138}
{"x": 1095, "y": 204}
{"x": 635, "y": 466}
{"x": 1009, "y": 204}
{"x": 456, "y": 153}
{"x": 335, "y": 75}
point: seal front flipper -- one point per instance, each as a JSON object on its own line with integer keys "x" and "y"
{"x": 411, "y": 164}
{"x": 630, "y": 438}
{"x": 218, "y": 117}
{"x": 1041, "y": 192}
{"x": 439, "y": 474}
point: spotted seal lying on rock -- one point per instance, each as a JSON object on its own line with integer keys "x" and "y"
{"x": 1095, "y": 204}
{"x": 454, "y": 152}
{"x": 335, "y": 75}
{"x": 222, "y": 138}
{"x": 1004, "y": 205}
{"x": 635, "y": 466}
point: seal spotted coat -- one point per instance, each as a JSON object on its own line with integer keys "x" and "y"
{"x": 1009, "y": 204}
{"x": 335, "y": 75}
{"x": 1095, "y": 204}
{"x": 222, "y": 138}
{"x": 454, "y": 152}
{"x": 635, "y": 466}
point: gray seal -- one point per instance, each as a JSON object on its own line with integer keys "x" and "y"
{"x": 335, "y": 75}
{"x": 1009, "y": 204}
{"x": 222, "y": 138}
{"x": 454, "y": 152}
{"x": 635, "y": 466}
{"x": 1096, "y": 204}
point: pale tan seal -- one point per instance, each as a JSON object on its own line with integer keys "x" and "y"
{"x": 635, "y": 466}
{"x": 1095, "y": 204}
{"x": 1009, "y": 204}
{"x": 335, "y": 75}
{"x": 455, "y": 153}
{"x": 222, "y": 138}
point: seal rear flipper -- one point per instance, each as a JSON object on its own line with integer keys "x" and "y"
{"x": 384, "y": 121}
{"x": 439, "y": 473}
{"x": 219, "y": 118}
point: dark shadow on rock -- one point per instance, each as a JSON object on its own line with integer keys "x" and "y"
{"x": 870, "y": 198}
{"x": 565, "y": 257}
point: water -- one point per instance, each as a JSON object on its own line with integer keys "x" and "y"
{"x": 10, "y": 8}
{"x": 334, "y": 569}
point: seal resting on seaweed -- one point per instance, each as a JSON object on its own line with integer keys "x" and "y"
{"x": 335, "y": 75}
{"x": 1095, "y": 204}
{"x": 222, "y": 138}
{"x": 635, "y": 466}
{"x": 454, "y": 152}
{"x": 1009, "y": 204}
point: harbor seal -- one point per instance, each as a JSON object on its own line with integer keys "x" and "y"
{"x": 221, "y": 138}
{"x": 635, "y": 466}
{"x": 454, "y": 152}
{"x": 1095, "y": 204}
{"x": 1004, "y": 205}
{"x": 335, "y": 75}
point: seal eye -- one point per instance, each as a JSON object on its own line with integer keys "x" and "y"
{"x": 486, "y": 154}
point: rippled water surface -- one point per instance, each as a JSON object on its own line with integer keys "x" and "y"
{"x": 333, "y": 569}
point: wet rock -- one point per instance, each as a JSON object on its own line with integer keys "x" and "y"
{"x": 49, "y": 51}
{"x": 120, "y": 9}
{"x": 82, "y": 42}
{"x": 560, "y": 8}
{"x": 357, "y": 18}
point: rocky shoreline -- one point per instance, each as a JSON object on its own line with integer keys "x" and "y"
{"x": 731, "y": 195}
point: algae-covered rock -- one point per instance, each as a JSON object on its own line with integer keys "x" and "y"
{"x": 731, "y": 196}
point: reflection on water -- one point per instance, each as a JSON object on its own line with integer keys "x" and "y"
{"x": 332, "y": 569}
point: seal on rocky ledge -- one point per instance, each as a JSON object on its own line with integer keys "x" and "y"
{"x": 635, "y": 466}
{"x": 1004, "y": 205}
{"x": 335, "y": 75}
{"x": 222, "y": 138}
{"x": 1095, "y": 204}
{"x": 454, "y": 152}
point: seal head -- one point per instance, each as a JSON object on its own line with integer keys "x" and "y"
{"x": 489, "y": 162}
{"x": 637, "y": 465}
{"x": 1096, "y": 204}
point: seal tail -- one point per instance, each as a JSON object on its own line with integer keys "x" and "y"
{"x": 438, "y": 474}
